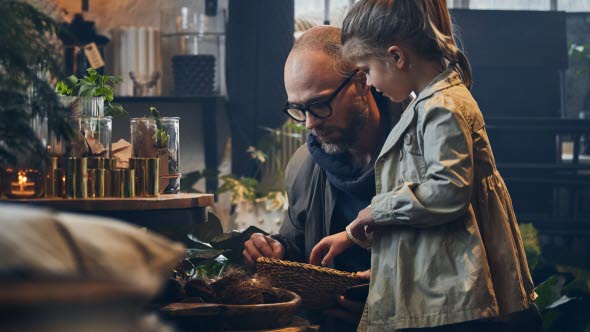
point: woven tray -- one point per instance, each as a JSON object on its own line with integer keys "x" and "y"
{"x": 318, "y": 286}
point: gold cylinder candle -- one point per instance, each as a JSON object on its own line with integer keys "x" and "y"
{"x": 70, "y": 176}
{"x": 140, "y": 166}
{"x": 117, "y": 183}
{"x": 107, "y": 184}
{"x": 129, "y": 183}
{"x": 153, "y": 177}
{"x": 99, "y": 178}
{"x": 51, "y": 182}
{"x": 81, "y": 177}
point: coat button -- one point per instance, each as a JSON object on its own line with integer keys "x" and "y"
{"x": 408, "y": 139}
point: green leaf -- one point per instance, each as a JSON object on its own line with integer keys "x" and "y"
{"x": 115, "y": 79}
{"x": 530, "y": 240}
{"x": 204, "y": 232}
{"x": 71, "y": 81}
{"x": 106, "y": 91}
{"x": 549, "y": 291}
{"x": 87, "y": 91}
{"x": 115, "y": 110}
{"x": 188, "y": 181}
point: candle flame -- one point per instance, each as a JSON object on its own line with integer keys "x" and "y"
{"x": 22, "y": 179}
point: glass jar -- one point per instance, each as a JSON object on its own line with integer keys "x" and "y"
{"x": 84, "y": 106}
{"x": 193, "y": 38}
{"x": 159, "y": 139}
{"x": 169, "y": 154}
{"x": 143, "y": 133}
{"x": 97, "y": 133}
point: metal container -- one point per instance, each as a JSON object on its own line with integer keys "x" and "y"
{"x": 70, "y": 182}
{"x": 81, "y": 177}
{"x": 140, "y": 167}
{"x": 129, "y": 183}
{"x": 117, "y": 183}
{"x": 96, "y": 183}
{"x": 76, "y": 177}
{"x": 153, "y": 177}
{"x": 51, "y": 182}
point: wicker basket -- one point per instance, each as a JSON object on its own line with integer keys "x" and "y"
{"x": 317, "y": 286}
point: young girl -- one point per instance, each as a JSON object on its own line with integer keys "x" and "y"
{"x": 446, "y": 250}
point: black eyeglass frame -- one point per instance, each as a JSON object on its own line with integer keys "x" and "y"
{"x": 307, "y": 108}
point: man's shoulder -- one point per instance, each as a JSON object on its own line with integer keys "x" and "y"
{"x": 300, "y": 164}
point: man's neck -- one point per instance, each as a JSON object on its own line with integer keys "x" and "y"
{"x": 368, "y": 144}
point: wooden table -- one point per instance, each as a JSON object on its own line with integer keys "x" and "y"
{"x": 173, "y": 216}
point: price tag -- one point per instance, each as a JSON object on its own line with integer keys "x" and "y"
{"x": 93, "y": 56}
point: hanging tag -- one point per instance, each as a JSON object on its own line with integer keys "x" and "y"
{"x": 93, "y": 56}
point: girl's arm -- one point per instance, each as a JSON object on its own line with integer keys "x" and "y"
{"x": 446, "y": 192}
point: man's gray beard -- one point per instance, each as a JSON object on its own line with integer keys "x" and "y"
{"x": 356, "y": 124}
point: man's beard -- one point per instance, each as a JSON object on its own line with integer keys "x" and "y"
{"x": 349, "y": 135}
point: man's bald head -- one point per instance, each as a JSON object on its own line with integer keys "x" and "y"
{"x": 326, "y": 39}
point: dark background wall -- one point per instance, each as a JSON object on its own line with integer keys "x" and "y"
{"x": 259, "y": 38}
{"x": 518, "y": 59}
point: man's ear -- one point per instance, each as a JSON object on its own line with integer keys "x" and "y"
{"x": 399, "y": 57}
{"x": 361, "y": 82}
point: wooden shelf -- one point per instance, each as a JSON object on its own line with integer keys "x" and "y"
{"x": 163, "y": 202}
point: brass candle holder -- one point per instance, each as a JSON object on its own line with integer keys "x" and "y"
{"x": 96, "y": 183}
{"x": 76, "y": 177}
{"x": 52, "y": 178}
{"x": 140, "y": 167}
{"x": 153, "y": 177}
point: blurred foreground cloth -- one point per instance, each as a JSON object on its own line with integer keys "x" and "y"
{"x": 41, "y": 244}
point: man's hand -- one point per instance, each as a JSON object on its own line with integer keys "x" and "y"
{"x": 328, "y": 248}
{"x": 261, "y": 245}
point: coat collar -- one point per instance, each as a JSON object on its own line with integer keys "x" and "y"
{"x": 444, "y": 80}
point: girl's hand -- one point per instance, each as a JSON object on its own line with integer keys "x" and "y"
{"x": 329, "y": 247}
{"x": 363, "y": 224}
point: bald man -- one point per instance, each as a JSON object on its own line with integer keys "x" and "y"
{"x": 331, "y": 178}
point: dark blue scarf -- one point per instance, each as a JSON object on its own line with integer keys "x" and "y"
{"x": 341, "y": 173}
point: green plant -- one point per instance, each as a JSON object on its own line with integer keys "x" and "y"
{"x": 93, "y": 85}
{"x": 267, "y": 150}
{"x": 29, "y": 56}
{"x": 564, "y": 297}
{"x": 161, "y": 137}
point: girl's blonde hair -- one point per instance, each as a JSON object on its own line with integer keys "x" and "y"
{"x": 372, "y": 26}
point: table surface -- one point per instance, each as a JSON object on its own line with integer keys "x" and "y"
{"x": 162, "y": 202}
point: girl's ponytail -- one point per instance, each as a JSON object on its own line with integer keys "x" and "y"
{"x": 438, "y": 21}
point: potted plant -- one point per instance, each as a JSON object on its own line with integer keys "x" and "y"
{"x": 158, "y": 137}
{"x": 262, "y": 201}
{"x": 95, "y": 91}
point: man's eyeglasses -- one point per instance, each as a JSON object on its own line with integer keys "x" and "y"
{"x": 319, "y": 109}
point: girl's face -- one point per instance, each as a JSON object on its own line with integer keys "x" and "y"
{"x": 388, "y": 78}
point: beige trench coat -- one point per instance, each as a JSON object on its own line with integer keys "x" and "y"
{"x": 448, "y": 248}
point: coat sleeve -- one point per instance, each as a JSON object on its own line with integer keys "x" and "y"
{"x": 445, "y": 194}
{"x": 292, "y": 231}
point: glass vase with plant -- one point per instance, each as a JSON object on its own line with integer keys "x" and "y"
{"x": 94, "y": 85}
